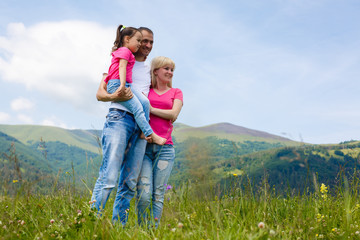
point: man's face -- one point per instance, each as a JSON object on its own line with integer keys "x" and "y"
{"x": 146, "y": 44}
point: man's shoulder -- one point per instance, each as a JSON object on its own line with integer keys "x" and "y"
{"x": 141, "y": 67}
{"x": 142, "y": 64}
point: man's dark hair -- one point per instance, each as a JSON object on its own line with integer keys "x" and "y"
{"x": 145, "y": 29}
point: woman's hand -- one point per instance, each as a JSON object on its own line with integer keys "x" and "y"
{"x": 151, "y": 109}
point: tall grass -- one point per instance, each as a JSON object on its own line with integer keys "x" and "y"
{"x": 243, "y": 212}
{"x": 202, "y": 209}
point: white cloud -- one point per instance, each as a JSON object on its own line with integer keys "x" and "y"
{"x": 54, "y": 122}
{"x": 26, "y": 119}
{"x": 4, "y": 117}
{"x": 21, "y": 104}
{"x": 63, "y": 60}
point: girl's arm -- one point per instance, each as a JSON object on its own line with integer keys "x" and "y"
{"x": 170, "y": 114}
{"x": 122, "y": 73}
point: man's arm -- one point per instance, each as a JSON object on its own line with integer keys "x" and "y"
{"x": 117, "y": 96}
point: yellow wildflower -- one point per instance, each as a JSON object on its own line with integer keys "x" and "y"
{"x": 15, "y": 181}
{"x": 319, "y": 217}
{"x": 323, "y": 189}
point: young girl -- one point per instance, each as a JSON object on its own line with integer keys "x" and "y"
{"x": 127, "y": 42}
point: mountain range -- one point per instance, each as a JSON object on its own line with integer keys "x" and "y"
{"x": 212, "y": 152}
{"x": 226, "y": 131}
{"x": 88, "y": 139}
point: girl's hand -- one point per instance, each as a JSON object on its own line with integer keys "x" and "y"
{"x": 120, "y": 96}
{"x": 121, "y": 88}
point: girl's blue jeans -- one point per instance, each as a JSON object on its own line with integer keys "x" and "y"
{"x": 139, "y": 106}
{"x": 155, "y": 172}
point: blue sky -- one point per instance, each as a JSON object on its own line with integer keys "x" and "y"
{"x": 290, "y": 68}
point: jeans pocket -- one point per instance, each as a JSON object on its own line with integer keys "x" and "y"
{"x": 114, "y": 116}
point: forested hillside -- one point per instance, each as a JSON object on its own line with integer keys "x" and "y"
{"x": 210, "y": 161}
{"x": 284, "y": 168}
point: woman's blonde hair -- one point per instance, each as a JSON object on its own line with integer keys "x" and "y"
{"x": 159, "y": 62}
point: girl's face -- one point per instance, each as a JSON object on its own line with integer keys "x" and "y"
{"x": 134, "y": 42}
{"x": 165, "y": 73}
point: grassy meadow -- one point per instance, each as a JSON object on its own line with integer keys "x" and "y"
{"x": 191, "y": 211}
{"x": 45, "y": 193}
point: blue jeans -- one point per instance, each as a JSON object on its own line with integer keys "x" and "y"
{"x": 121, "y": 145}
{"x": 139, "y": 105}
{"x": 155, "y": 172}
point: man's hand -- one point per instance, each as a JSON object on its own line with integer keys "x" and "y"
{"x": 117, "y": 96}
{"x": 122, "y": 95}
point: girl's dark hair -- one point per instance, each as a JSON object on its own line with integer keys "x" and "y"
{"x": 122, "y": 32}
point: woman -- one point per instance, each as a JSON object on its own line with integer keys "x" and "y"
{"x": 166, "y": 103}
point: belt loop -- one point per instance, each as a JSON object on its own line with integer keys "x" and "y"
{"x": 121, "y": 111}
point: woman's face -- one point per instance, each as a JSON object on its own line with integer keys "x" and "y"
{"x": 165, "y": 73}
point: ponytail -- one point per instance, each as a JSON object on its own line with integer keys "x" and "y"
{"x": 117, "y": 42}
{"x": 122, "y": 32}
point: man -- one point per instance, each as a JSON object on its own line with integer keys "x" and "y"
{"x": 121, "y": 142}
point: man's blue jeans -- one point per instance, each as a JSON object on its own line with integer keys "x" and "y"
{"x": 121, "y": 145}
{"x": 156, "y": 169}
{"x": 139, "y": 106}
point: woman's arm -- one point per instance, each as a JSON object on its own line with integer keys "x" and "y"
{"x": 170, "y": 114}
{"x": 104, "y": 96}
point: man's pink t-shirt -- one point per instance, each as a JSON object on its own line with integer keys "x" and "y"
{"x": 163, "y": 127}
{"x": 121, "y": 53}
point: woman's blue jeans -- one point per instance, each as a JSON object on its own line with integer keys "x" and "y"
{"x": 139, "y": 106}
{"x": 155, "y": 172}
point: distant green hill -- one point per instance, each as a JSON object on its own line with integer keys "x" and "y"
{"x": 25, "y": 154}
{"x": 87, "y": 139}
{"x": 46, "y": 162}
{"x": 19, "y": 165}
{"x": 206, "y": 157}
{"x": 28, "y": 134}
{"x": 212, "y": 154}
{"x": 295, "y": 167}
{"x": 227, "y": 131}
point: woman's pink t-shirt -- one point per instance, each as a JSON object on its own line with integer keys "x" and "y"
{"x": 163, "y": 127}
{"x": 121, "y": 53}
